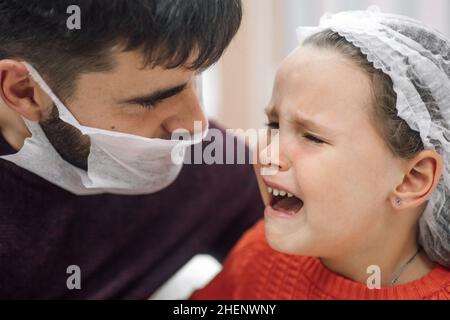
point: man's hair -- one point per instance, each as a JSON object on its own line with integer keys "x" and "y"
{"x": 168, "y": 33}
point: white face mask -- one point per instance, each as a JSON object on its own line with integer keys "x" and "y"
{"x": 118, "y": 163}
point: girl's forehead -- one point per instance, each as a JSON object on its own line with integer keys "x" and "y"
{"x": 321, "y": 84}
{"x": 323, "y": 75}
{"x": 310, "y": 60}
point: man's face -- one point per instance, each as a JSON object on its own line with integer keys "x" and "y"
{"x": 146, "y": 102}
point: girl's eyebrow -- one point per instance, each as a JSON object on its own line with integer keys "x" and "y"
{"x": 270, "y": 112}
{"x": 309, "y": 124}
{"x": 302, "y": 121}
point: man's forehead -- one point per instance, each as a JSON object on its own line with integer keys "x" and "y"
{"x": 130, "y": 69}
{"x": 128, "y": 80}
{"x": 159, "y": 58}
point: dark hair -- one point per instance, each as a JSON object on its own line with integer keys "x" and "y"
{"x": 169, "y": 33}
{"x": 401, "y": 139}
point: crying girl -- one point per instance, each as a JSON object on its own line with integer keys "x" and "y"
{"x": 360, "y": 205}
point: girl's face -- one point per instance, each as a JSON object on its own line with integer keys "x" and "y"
{"x": 331, "y": 158}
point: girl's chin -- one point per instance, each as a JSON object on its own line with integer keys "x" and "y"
{"x": 286, "y": 247}
{"x": 286, "y": 235}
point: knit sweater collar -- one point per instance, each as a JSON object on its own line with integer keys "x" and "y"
{"x": 340, "y": 287}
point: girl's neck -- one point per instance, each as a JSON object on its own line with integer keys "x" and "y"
{"x": 389, "y": 259}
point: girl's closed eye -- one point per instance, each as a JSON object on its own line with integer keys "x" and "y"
{"x": 313, "y": 138}
{"x": 276, "y": 126}
{"x": 273, "y": 125}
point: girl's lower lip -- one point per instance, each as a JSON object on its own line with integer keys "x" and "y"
{"x": 278, "y": 214}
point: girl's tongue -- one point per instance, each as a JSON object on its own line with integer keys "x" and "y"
{"x": 287, "y": 205}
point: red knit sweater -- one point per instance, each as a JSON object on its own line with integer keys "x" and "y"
{"x": 254, "y": 271}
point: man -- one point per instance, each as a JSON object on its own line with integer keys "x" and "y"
{"x": 127, "y": 72}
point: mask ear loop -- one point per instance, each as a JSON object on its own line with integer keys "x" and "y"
{"x": 64, "y": 113}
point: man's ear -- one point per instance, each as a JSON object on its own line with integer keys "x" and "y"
{"x": 422, "y": 175}
{"x": 19, "y": 92}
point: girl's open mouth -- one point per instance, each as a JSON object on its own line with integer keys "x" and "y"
{"x": 284, "y": 201}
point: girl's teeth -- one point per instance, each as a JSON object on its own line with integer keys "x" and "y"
{"x": 281, "y": 193}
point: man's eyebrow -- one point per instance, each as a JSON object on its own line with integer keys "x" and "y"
{"x": 157, "y": 95}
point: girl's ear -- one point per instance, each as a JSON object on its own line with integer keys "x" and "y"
{"x": 423, "y": 174}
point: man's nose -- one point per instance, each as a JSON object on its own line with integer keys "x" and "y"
{"x": 186, "y": 114}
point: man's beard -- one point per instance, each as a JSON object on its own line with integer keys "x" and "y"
{"x": 68, "y": 141}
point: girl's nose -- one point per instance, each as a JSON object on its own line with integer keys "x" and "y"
{"x": 271, "y": 156}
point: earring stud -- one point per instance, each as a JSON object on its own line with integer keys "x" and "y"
{"x": 397, "y": 202}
